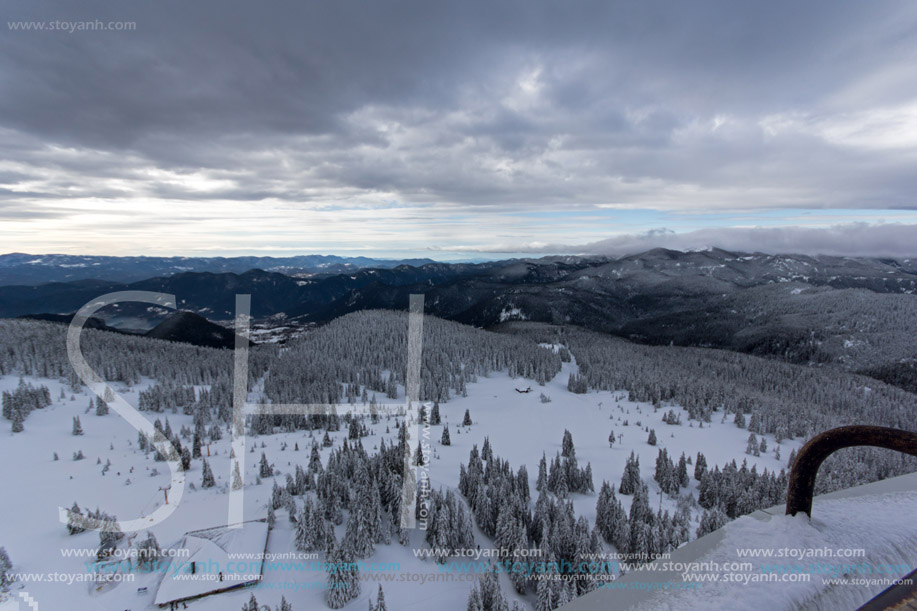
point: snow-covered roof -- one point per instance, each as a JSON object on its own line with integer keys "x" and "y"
{"x": 222, "y": 558}
{"x": 875, "y": 518}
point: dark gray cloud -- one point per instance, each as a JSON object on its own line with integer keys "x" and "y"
{"x": 481, "y": 105}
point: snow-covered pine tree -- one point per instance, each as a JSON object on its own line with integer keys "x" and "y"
{"x": 6, "y": 566}
{"x": 474, "y": 600}
{"x": 304, "y": 536}
{"x": 251, "y": 605}
{"x": 17, "y": 418}
{"x": 467, "y": 420}
{"x": 265, "y": 470}
{"x": 610, "y": 518}
{"x": 544, "y": 598}
{"x": 711, "y": 520}
{"x": 207, "y": 480}
{"x": 700, "y": 466}
{"x": 446, "y": 440}
{"x": 567, "y": 449}
{"x": 640, "y": 524}
{"x": 343, "y": 576}
{"x": 486, "y": 451}
{"x": 77, "y": 427}
{"x": 631, "y": 478}
{"x": 237, "y": 483}
{"x": 542, "y": 481}
{"x": 681, "y": 471}
{"x": 586, "y": 484}
{"x": 73, "y": 521}
{"x": 380, "y": 600}
{"x": 740, "y": 419}
{"x": 110, "y": 534}
{"x": 148, "y": 552}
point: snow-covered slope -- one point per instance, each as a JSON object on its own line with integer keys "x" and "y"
{"x": 520, "y": 427}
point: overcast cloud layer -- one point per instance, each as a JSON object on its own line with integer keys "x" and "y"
{"x": 398, "y": 127}
{"x": 855, "y": 239}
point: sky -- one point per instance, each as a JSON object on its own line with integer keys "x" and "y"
{"x": 457, "y": 130}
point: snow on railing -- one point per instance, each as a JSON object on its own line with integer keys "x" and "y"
{"x": 816, "y": 450}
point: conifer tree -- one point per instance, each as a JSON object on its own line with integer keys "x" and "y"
{"x": 74, "y": 518}
{"x": 343, "y": 577}
{"x": 446, "y": 440}
{"x": 5, "y": 567}
{"x": 251, "y": 605}
{"x": 265, "y": 469}
{"x": 631, "y": 478}
{"x": 17, "y": 419}
{"x": 740, "y": 420}
{"x": 567, "y": 450}
{"x": 207, "y": 480}
{"x": 109, "y": 535}
{"x": 752, "y": 446}
{"x": 711, "y": 520}
{"x": 237, "y": 483}
{"x": 545, "y": 599}
{"x": 681, "y": 471}
{"x": 148, "y": 552}
{"x": 304, "y": 535}
{"x": 467, "y": 420}
{"x": 541, "y": 482}
{"x": 77, "y": 427}
{"x": 474, "y": 600}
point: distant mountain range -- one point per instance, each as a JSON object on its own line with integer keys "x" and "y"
{"x": 859, "y": 313}
{"x": 25, "y": 269}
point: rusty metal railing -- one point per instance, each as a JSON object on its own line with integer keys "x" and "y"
{"x": 816, "y": 450}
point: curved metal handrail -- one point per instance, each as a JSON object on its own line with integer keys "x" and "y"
{"x": 816, "y": 450}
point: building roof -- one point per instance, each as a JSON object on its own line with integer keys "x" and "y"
{"x": 216, "y": 560}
